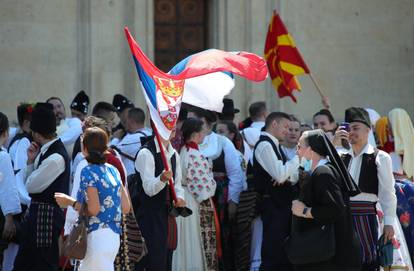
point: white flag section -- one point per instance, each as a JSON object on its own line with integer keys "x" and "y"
{"x": 207, "y": 91}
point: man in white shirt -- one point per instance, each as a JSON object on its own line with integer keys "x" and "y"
{"x": 9, "y": 201}
{"x": 47, "y": 172}
{"x": 291, "y": 140}
{"x": 68, "y": 129}
{"x": 372, "y": 171}
{"x": 275, "y": 179}
{"x": 258, "y": 113}
{"x": 18, "y": 148}
{"x": 129, "y": 145}
{"x": 122, "y": 104}
{"x": 155, "y": 202}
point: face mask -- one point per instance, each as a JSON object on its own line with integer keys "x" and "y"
{"x": 306, "y": 164}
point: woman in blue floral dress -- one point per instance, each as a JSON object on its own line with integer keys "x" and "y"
{"x": 106, "y": 198}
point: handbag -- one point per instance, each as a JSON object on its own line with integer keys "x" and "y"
{"x": 74, "y": 247}
{"x": 385, "y": 252}
{"x": 310, "y": 246}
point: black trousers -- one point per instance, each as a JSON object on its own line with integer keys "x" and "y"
{"x": 276, "y": 227}
{"x": 154, "y": 228}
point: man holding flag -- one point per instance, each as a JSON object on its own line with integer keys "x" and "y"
{"x": 164, "y": 93}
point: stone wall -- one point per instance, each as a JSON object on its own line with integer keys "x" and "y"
{"x": 361, "y": 52}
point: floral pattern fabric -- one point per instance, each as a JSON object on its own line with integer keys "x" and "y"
{"x": 199, "y": 179}
{"x": 405, "y": 211}
{"x": 106, "y": 179}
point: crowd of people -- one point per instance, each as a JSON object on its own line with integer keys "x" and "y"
{"x": 268, "y": 193}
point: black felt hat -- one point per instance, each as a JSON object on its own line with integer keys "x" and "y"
{"x": 357, "y": 114}
{"x": 80, "y": 102}
{"x": 121, "y": 102}
{"x": 228, "y": 107}
{"x": 43, "y": 119}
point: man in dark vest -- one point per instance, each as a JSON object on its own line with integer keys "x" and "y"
{"x": 155, "y": 202}
{"x": 47, "y": 172}
{"x": 275, "y": 179}
{"x": 372, "y": 171}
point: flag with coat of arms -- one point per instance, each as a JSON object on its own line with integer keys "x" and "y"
{"x": 202, "y": 79}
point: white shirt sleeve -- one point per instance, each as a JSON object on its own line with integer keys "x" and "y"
{"x": 9, "y": 196}
{"x": 233, "y": 161}
{"x": 267, "y": 158}
{"x": 73, "y": 132}
{"x": 39, "y": 179}
{"x": 71, "y": 214}
{"x": 179, "y": 190}
{"x": 21, "y": 154}
{"x": 386, "y": 189}
{"x": 145, "y": 165}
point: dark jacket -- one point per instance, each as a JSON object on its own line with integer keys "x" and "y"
{"x": 324, "y": 193}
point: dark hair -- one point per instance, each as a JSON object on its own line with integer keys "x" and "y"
{"x": 183, "y": 114}
{"x": 24, "y": 112}
{"x": 208, "y": 115}
{"x": 257, "y": 109}
{"x": 190, "y": 126}
{"x": 102, "y": 107}
{"x": 55, "y": 98}
{"x": 95, "y": 141}
{"x": 325, "y": 112}
{"x": 275, "y": 116}
{"x": 92, "y": 121}
{"x": 230, "y": 126}
{"x": 294, "y": 119}
{"x": 238, "y": 138}
{"x": 4, "y": 123}
{"x": 137, "y": 115}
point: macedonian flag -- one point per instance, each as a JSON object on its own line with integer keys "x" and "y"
{"x": 283, "y": 58}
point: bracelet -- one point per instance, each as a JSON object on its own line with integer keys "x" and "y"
{"x": 74, "y": 203}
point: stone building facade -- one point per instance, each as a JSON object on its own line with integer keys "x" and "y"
{"x": 361, "y": 52}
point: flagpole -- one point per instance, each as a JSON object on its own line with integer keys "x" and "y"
{"x": 164, "y": 161}
{"x": 316, "y": 85}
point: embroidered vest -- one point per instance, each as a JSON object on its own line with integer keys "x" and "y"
{"x": 368, "y": 177}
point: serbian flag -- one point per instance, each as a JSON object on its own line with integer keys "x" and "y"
{"x": 283, "y": 58}
{"x": 205, "y": 91}
{"x": 164, "y": 92}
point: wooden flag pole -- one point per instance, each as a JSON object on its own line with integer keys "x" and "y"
{"x": 316, "y": 85}
{"x": 164, "y": 161}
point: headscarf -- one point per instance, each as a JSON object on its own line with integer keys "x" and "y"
{"x": 403, "y": 132}
{"x": 373, "y": 117}
{"x": 319, "y": 143}
{"x": 381, "y": 129}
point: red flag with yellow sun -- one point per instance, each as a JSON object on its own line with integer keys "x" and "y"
{"x": 283, "y": 59}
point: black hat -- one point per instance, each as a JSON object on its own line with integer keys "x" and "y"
{"x": 43, "y": 119}
{"x": 80, "y": 102}
{"x": 357, "y": 114}
{"x": 228, "y": 107}
{"x": 121, "y": 102}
